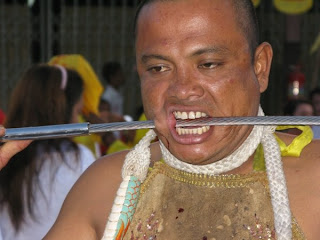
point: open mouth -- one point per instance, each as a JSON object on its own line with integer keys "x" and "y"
{"x": 190, "y": 130}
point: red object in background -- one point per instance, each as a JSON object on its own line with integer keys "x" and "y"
{"x": 2, "y": 117}
{"x": 296, "y": 82}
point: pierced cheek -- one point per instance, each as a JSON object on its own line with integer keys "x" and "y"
{"x": 163, "y": 135}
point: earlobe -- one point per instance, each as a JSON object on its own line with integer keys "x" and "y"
{"x": 262, "y": 64}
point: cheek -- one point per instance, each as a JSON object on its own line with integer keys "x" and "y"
{"x": 147, "y": 99}
{"x": 236, "y": 95}
{"x": 244, "y": 84}
{"x": 225, "y": 88}
{"x": 153, "y": 97}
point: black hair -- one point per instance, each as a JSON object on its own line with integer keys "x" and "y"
{"x": 38, "y": 99}
{"x": 109, "y": 69}
{"x": 315, "y": 91}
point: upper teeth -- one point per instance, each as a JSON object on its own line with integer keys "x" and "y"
{"x": 188, "y": 115}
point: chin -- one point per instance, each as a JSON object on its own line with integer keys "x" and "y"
{"x": 192, "y": 157}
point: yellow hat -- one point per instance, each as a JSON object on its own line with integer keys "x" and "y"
{"x": 92, "y": 86}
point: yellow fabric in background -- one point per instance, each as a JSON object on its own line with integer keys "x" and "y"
{"x": 140, "y": 133}
{"x": 316, "y": 45}
{"x": 89, "y": 141}
{"x": 92, "y": 86}
{"x": 256, "y": 2}
{"x": 293, "y": 6}
{"x": 118, "y": 146}
{"x": 294, "y": 149}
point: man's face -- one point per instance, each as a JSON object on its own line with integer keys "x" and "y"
{"x": 194, "y": 61}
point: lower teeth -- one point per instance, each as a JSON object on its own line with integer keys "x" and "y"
{"x": 199, "y": 130}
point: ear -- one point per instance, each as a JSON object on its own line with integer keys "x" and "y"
{"x": 262, "y": 64}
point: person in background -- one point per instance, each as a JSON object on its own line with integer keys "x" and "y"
{"x": 298, "y": 107}
{"x": 34, "y": 183}
{"x": 105, "y": 113}
{"x": 314, "y": 97}
{"x": 114, "y": 78}
{"x": 113, "y": 75}
{"x": 91, "y": 96}
{"x": 92, "y": 86}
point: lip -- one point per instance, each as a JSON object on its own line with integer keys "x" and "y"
{"x": 187, "y": 139}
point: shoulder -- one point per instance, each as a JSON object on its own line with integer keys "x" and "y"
{"x": 99, "y": 185}
{"x": 307, "y": 162}
{"x": 309, "y": 159}
{"x": 302, "y": 175}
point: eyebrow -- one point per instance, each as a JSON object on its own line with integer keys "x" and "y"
{"x": 146, "y": 58}
{"x": 216, "y": 49}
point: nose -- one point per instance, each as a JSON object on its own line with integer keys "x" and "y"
{"x": 186, "y": 85}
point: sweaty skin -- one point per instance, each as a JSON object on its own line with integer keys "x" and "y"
{"x": 192, "y": 57}
{"x": 191, "y": 62}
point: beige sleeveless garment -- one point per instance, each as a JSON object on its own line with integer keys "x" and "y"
{"x": 176, "y": 205}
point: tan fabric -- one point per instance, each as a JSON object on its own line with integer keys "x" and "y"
{"x": 178, "y": 205}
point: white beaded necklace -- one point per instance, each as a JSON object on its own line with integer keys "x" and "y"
{"x": 138, "y": 160}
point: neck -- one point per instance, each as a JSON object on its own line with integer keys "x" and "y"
{"x": 227, "y": 164}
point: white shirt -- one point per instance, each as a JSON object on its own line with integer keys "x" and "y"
{"x": 316, "y": 132}
{"x": 56, "y": 179}
{"x": 114, "y": 98}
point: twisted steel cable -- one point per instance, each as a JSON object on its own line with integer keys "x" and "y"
{"x": 260, "y": 120}
{"x": 119, "y": 126}
{"x": 79, "y": 129}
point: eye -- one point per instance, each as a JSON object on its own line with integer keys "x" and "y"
{"x": 158, "y": 69}
{"x": 208, "y": 65}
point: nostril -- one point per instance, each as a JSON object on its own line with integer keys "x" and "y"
{"x": 186, "y": 90}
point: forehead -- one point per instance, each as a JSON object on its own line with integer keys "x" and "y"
{"x": 169, "y": 22}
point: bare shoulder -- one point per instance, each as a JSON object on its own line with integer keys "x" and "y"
{"x": 302, "y": 175}
{"x": 308, "y": 161}
{"x": 86, "y": 209}
{"x": 87, "y": 206}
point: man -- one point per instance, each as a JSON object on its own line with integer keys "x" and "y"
{"x": 7, "y": 150}
{"x": 197, "y": 58}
